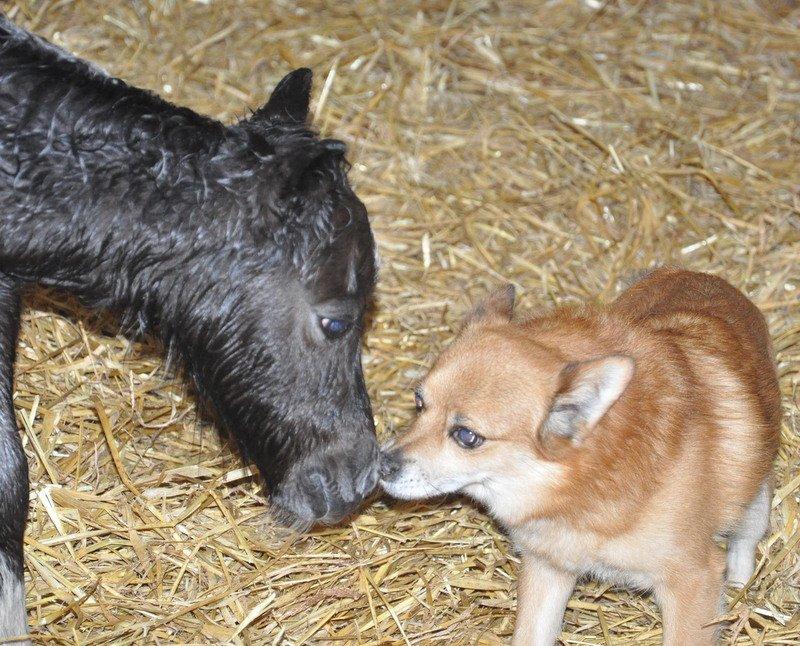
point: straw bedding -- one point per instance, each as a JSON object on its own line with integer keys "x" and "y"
{"x": 557, "y": 145}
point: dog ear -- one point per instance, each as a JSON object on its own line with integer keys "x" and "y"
{"x": 586, "y": 391}
{"x": 289, "y": 100}
{"x": 496, "y": 307}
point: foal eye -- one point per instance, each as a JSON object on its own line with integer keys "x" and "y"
{"x": 466, "y": 438}
{"x": 333, "y": 328}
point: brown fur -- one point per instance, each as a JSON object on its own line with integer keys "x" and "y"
{"x": 677, "y": 458}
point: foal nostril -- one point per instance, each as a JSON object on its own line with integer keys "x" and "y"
{"x": 366, "y": 483}
{"x": 322, "y": 494}
{"x": 390, "y": 465}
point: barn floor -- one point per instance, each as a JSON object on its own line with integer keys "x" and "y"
{"x": 557, "y": 145}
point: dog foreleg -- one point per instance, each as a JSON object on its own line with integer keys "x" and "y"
{"x": 542, "y": 595}
{"x": 691, "y": 599}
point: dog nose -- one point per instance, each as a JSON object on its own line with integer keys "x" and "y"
{"x": 390, "y": 464}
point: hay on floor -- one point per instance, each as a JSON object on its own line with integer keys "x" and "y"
{"x": 557, "y": 145}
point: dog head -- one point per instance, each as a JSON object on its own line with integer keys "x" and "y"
{"x": 500, "y": 416}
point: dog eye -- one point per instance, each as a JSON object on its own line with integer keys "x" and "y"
{"x": 334, "y": 328}
{"x": 418, "y": 401}
{"x": 466, "y": 438}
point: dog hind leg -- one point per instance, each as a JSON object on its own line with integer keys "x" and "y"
{"x": 744, "y": 539}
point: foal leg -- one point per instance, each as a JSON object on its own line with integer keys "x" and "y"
{"x": 13, "y": 477}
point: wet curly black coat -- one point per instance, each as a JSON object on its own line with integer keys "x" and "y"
{"x": 231, "y": 242}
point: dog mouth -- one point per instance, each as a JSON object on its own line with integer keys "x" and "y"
{"x": 405, "y": 478}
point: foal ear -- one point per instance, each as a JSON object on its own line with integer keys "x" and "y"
{"x": 300, "y": 164}
{"x": 496, "y": 307}
{"x": 289, "y": 100}
{"x": 587, "y": 390}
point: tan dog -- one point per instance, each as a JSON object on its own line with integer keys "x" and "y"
{"x": 615, "y": 443}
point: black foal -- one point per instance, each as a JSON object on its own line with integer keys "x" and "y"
{"x": 242, "y": 246}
